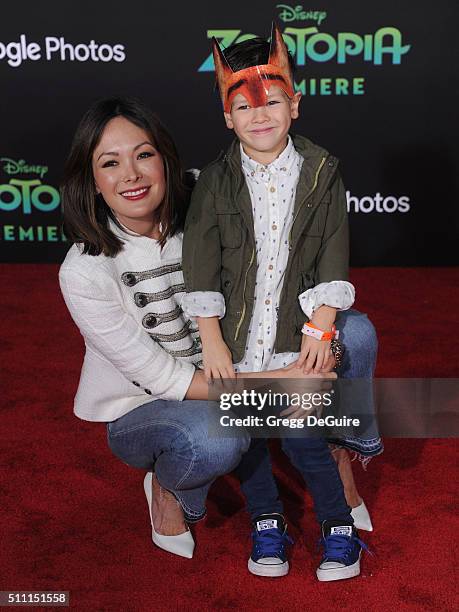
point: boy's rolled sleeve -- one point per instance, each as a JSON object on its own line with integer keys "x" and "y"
{"x": 203, "y": 304}
{"x": 201, "y": 242}
{"x": 337, "y": 294}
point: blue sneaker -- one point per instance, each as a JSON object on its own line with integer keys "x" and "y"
{"x": 268, "y": 556}
{"x": 342, "y": 552}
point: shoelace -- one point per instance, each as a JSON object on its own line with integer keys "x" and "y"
{"x": 339, "y": 547}
{"x": 270, "y": 542}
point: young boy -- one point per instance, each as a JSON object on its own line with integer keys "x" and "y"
{"x": 267, "y": 229}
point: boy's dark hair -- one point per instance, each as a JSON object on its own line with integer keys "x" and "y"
{"x": 86, "y": 214}
{"x": 252, "y": 52}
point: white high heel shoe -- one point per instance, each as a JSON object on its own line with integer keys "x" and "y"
{"x": 182, "y": 544}
{"x": 361, "y": 517}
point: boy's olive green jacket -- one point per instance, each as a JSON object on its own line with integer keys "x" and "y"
{"x": 219, "y": 242}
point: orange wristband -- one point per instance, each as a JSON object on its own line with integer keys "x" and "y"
{"x": 309, "y": 329}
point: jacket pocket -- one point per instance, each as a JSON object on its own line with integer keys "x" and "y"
{"x": 319, "y": 216}
{"x": 309, "y": 248}
{"x": 229, "y": 224}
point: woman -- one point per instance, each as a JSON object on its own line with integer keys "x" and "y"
{"x": 124, "y": 206}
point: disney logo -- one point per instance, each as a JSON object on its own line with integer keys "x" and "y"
{"x": 297, "y": 13}
{"x": 20, "y": 167}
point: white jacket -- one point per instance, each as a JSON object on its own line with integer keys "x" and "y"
{"x": 139, "y": 345}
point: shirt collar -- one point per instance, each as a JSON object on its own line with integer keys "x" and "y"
{"x": 282, "y": 163}
{"x": 125, "y": 233}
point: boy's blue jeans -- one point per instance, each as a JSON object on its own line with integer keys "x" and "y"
{"x": 311, "y": 456}
{"x": 172, "y": 438}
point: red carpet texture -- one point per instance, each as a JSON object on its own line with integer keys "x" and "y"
{"x": 74, "y": 518}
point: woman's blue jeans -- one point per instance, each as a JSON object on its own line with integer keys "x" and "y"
{"x": 171, "y": 438}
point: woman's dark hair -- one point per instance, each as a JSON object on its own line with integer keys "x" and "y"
{"x": 252, "y": 52}
{"x": 86, "y": 214}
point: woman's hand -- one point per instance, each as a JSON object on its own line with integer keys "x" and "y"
{"x": 319, "y": 384}
{"x": 302, "y": 384}
{"x": 199, "y": 389}
{"x": 216, "y": 358}
{"x": 293, "y": 371}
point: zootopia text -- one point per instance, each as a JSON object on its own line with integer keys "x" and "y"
{"x": 28, "y": 194}
{"x": 308, "y": 44}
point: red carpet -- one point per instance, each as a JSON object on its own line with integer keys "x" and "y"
{"x": 74, "y": 518}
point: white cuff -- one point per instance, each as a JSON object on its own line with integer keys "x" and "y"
{"x": 203, "y": 304}
{"x": 337, "y": 294}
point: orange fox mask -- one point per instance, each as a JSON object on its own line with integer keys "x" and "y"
{"x": 254, "y": 82}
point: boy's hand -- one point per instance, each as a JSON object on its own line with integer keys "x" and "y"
{"x": 330, "y": 364}
{"x": 314, "y": 355}
{"x": 217, "y": 361}
{"x": 216, "y": 356}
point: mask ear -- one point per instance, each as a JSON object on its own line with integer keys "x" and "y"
{"x": 223, "y": 70}
{"x": 294, "y": 102}
{"x": 278, "y": 54}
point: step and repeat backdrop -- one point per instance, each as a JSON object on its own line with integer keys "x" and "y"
{"x": 379, "y": 85}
